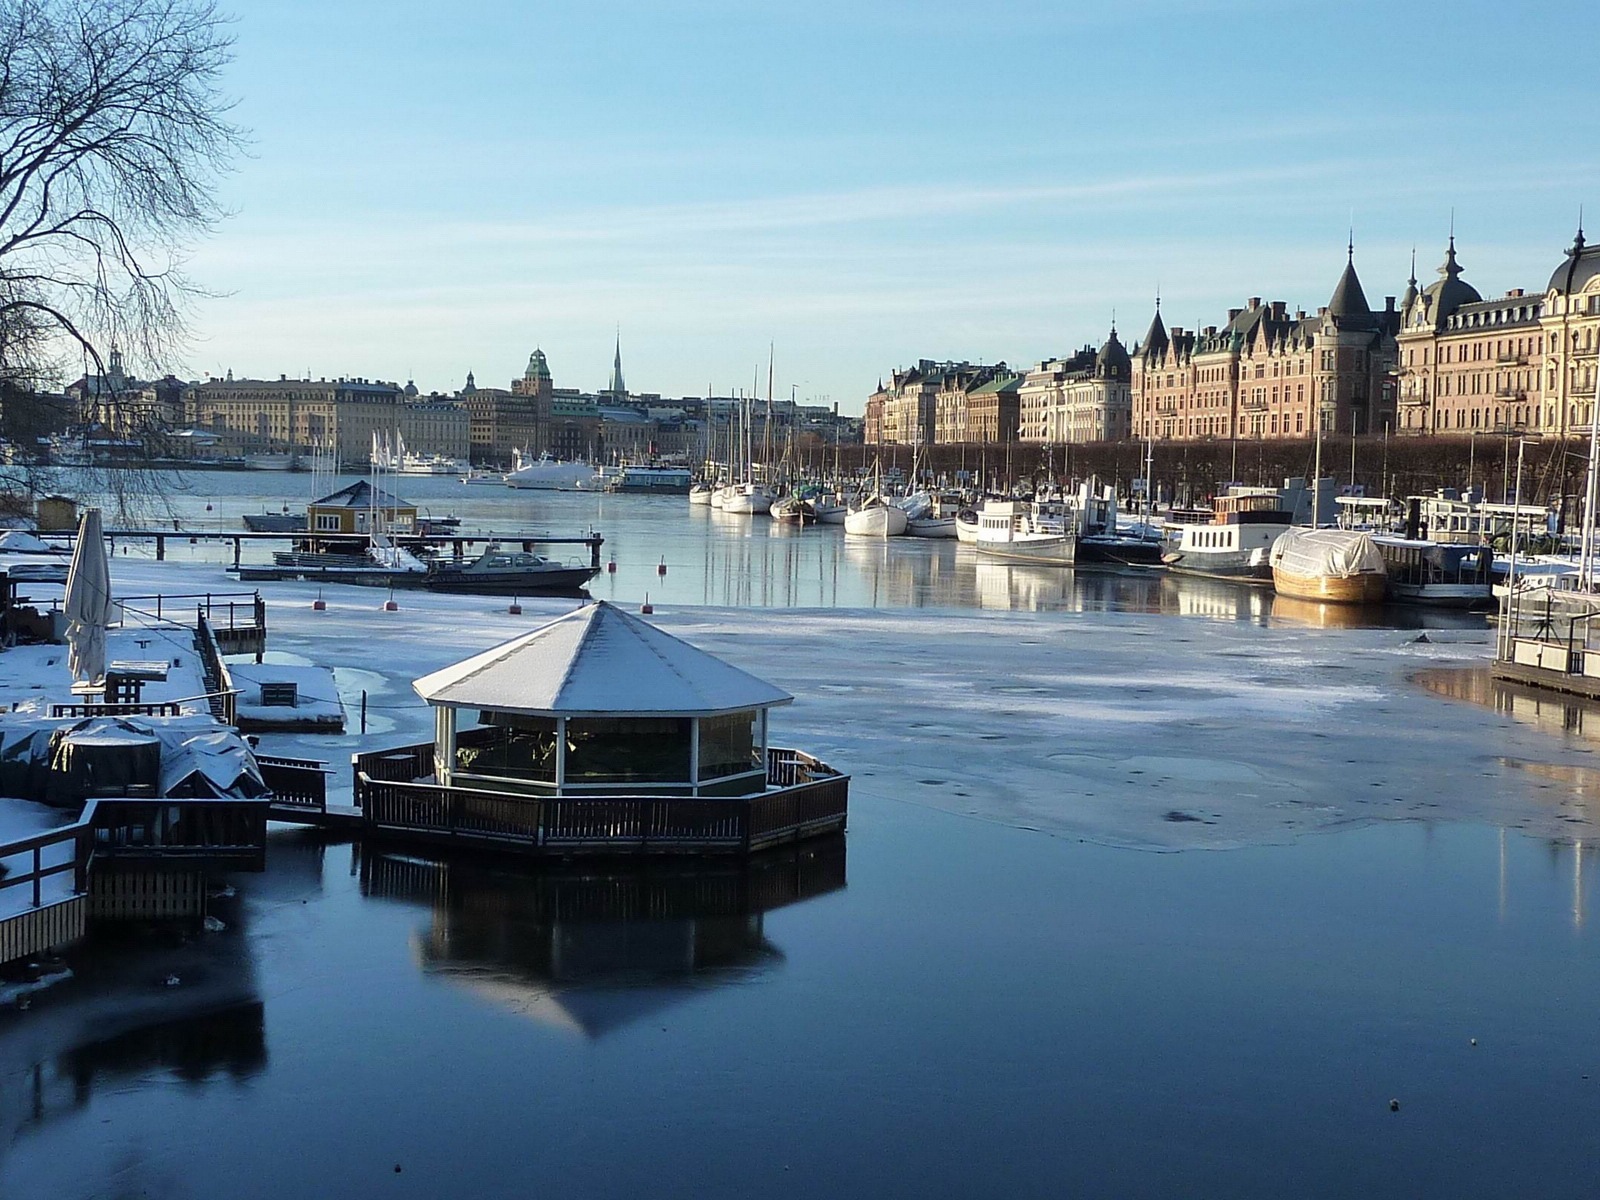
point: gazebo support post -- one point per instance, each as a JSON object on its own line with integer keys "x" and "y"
{"x": 561, "y": 754}
{"x": 444, "y": 744}
{"x": 766, "y": 768}
{"x": 694, "y": 756}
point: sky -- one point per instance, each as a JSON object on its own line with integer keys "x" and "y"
{"x": 431, "y": 189}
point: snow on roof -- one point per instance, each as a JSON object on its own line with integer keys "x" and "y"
{"x": 361, "y": 494}
{"x": 598, "y": 661}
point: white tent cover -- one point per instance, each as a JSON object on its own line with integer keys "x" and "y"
{"x": 1326, "y": 553}
{"x": 598, "y": 661}
{"x": 87, "y": 604}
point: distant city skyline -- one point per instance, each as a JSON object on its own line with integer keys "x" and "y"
{"x": 863, "y": 185}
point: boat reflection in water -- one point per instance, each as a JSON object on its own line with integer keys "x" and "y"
{"x": 1317, "y": 614}
{"x": 591, "y": 951}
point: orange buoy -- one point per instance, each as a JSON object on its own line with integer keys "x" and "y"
{"x": 390, "y": 606}
{"x": 611, "y": 567}
{"x": 319, "y": 605}
{"x": 515, "y": 610}
{"x": 647, "y": 608}
{"x": 662, "y": 569}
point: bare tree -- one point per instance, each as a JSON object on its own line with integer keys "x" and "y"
{"x": 114, "y": 132}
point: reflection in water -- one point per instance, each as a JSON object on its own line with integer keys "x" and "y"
{"x": 1291, "y": 610}
{"x": 590, "y": 951}
{"x": 1554, "y": 713}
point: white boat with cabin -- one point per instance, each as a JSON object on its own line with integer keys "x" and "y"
{"x": 1023, "y": 531}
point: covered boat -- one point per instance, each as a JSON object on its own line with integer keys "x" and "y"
{"x": 1337, "y": 566}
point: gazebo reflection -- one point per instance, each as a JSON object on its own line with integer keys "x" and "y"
{"x": 591, "y": 950}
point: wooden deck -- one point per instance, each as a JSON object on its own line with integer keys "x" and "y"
{"x": 137, "y": 841}
{"x": 804, "y": 799}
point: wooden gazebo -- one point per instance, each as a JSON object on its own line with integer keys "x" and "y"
{"x": 599, "y": 731}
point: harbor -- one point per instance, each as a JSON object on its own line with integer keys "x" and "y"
{"x": 1035, "y": 731}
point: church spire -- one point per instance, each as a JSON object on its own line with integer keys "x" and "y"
{"x": 618, "y": 388}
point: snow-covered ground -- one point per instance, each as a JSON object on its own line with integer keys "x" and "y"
{"x": 1136, "y": 729}
{"x": 20, "y": 819}
{"x": 36, "y": 676}
{"x": 316, "y": 692}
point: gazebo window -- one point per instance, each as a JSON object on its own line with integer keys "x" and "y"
{"x": 628, "y": 750}
{"x": 521, "y": 747}
{"x": 729, "y": 744}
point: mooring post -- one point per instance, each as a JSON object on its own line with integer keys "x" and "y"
{"x": 161, "y": 547}
{"x": 363, "y": 710}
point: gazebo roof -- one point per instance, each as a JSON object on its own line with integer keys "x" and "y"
{"x": 598, "y": 661}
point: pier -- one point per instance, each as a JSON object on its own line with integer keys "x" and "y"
{"x": 458, "y": 541}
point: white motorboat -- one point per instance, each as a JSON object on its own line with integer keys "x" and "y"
{"x": 550, "y": 474}
{"x": 1019, "y": 531}
{"x": 701, "y": 493}
{"x": 967, "y": 526}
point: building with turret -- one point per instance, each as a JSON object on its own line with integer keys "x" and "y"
{"x": 1085, "y": 398}
{"x": 1265, "y": 374}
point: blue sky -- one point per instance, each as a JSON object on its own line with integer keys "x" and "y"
{"x": 437, "y": 188}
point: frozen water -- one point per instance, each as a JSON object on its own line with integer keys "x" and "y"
{"x": 1091, "y": 725}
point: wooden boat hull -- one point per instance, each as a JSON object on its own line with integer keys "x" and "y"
{"x": 1366, "y": 588}
{"x": 883, "y": 520}
{"x": 932, "y": 527}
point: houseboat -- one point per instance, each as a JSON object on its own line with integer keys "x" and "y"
{"x": 1235, "y": 541}
{"x": 1453, "y": 575}
{"x": 635, "y": 477}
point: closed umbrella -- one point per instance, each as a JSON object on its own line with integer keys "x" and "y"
{"x": 88, "y": 601}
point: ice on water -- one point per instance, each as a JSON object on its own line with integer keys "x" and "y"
{"x": 1134, "y": 729}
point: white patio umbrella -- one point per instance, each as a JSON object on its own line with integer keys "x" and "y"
{"x": 88, "y": 601}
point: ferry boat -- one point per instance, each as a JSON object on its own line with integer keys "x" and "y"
{"x": 430, "y": 464}
{"x": 1335, "y": 566}
{"x": 1021, "y": 531}
{"x": 673, "y": 481}
{"x": 1234, "y": 541}
{"x": 549, "y": 474}
{"x": 1428, "y": 572}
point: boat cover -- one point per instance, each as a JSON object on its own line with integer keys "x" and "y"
{"x": 1326, "y": 553}
{"x": 61, "y": 762}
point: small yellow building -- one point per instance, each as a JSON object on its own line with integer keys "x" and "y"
{"x": 358, "y": 510}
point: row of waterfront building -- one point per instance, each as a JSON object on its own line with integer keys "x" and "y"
{"x": 230, "y": 418}
{"x": 1443, "y": 360}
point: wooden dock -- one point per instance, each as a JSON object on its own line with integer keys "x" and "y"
{"x": 458, "y": 540}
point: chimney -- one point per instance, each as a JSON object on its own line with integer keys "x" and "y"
{"x": 1255, "y": 303}
{"x": 1234, "y": 312}
{"x": 1388, "y": 304}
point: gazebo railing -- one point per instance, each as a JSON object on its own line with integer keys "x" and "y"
{"x": 808, "y": 798}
